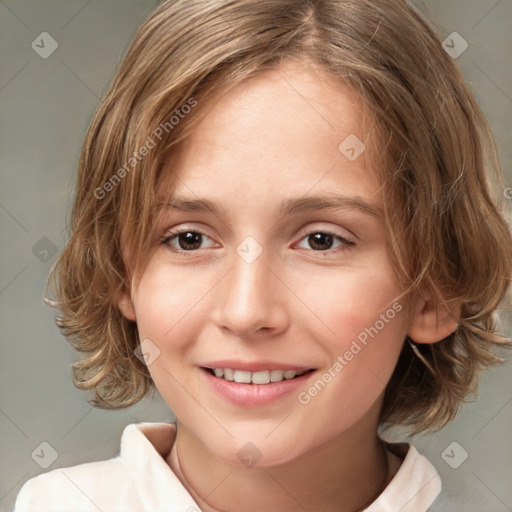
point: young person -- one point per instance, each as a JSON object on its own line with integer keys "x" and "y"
{"x": 279, "y": 219}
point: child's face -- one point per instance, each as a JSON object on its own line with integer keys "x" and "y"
{"x": 304, "y": 302}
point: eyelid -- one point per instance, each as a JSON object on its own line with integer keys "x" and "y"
{"x": 351, "y": 237}
{"x": 185, "y": 228}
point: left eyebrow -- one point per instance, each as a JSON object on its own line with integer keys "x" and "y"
{"x": 319, "y": 202}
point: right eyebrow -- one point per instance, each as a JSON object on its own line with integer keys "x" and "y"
{"x": 195, "y": 205}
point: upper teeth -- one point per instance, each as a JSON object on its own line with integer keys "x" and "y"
{"x": 263, "y": 377}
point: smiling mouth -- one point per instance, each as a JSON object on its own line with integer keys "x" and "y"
{"x": 261, "y": 377}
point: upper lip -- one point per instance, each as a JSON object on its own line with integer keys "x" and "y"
{"x": 253, "y": 366}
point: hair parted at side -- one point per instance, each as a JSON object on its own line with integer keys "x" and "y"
{"x": 437, "y": 161}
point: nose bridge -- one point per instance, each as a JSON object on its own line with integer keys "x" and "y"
{"x": 248, "y": 298}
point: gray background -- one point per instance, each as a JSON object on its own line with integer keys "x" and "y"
{"x": 45, "y": 108}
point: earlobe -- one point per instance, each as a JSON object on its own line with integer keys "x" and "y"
{"x": 125, "y": 305}
{"x": 432, "y": 322}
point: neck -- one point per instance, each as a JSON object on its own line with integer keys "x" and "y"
{"x": 345, "y": 474}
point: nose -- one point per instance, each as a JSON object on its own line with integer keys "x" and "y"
{"x": 250, "y": 301}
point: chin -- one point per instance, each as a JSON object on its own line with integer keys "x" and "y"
{"x": 260, "y": 453}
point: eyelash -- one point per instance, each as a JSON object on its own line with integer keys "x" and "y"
{"x": 346, "y": 244}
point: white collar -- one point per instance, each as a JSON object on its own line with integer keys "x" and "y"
{"x": 415, "y": 485}
{"x": 144, "y": 447}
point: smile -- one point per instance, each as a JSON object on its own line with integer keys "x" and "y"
{"x": 260, "y": 377}
{"x": 255, "y": 386}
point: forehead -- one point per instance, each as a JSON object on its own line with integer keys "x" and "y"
{"x": 285, "y": 129}
{"x": 300, "y": 98}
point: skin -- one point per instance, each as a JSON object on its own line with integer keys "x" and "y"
{"x": 273, "y": 138}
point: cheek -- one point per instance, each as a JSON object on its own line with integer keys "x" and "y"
{"x": 367, "y": 326}
{"x": 163, "y": 313}
{"x": 354, "y": 300}
{"x": 164, "y": 302}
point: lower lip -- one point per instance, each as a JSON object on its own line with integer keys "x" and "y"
{"x": 254, "y": 394}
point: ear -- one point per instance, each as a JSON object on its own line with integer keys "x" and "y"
{"x": 125, "y": 305}
{"x": 431, "y": 322}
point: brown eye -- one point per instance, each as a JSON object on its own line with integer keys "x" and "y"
{"x": 320, "y": 241}
{"x": 323, "y": 241}
{"x": 185, "y": 240}
{"x": 189, "y": 240}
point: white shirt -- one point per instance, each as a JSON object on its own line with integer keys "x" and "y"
{"x": 140, "y": 480}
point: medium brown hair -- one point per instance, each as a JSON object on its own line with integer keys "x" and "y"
{"x": 436, "y": 162}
